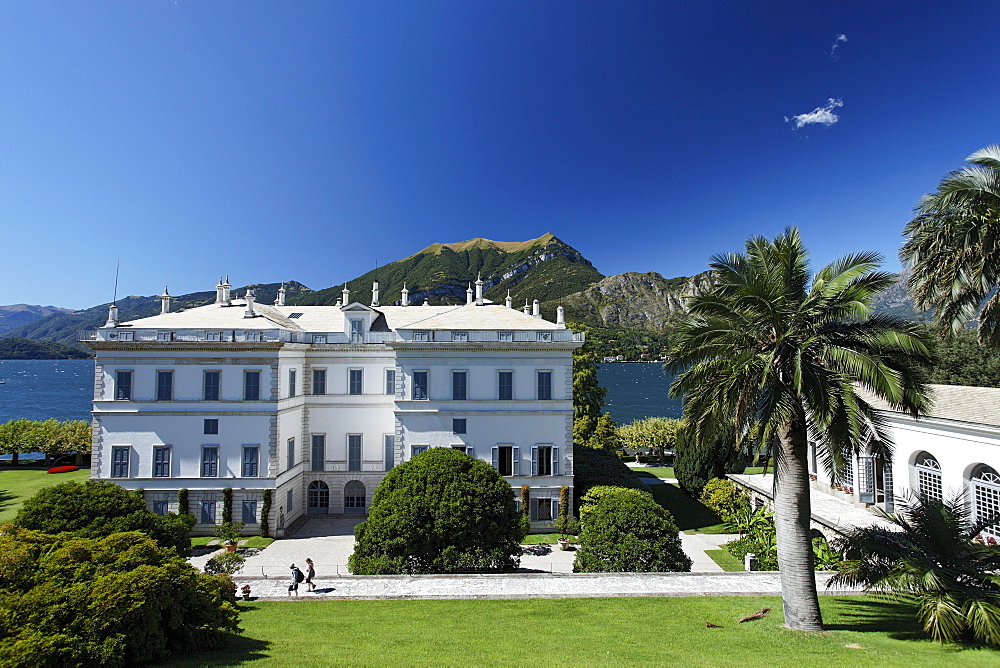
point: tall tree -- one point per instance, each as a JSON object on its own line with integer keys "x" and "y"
{"x": 654, "y": 434}
{"x": 953, "y": 247}
{"x": 784, "y": 355}
{"x": 588, "y": 395}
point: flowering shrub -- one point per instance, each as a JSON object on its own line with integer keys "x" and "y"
{"x": 63, "y": 469}
{"x": 245, "y": 590}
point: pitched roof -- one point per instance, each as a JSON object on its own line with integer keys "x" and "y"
{"x": 962, "y": 403}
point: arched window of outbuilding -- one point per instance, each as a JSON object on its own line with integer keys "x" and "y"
{"x": 986, "y": 498}
{"x": 928, "y": 471}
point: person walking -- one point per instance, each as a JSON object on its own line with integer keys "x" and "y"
{"x": 296, "y": 579}
{"x": 310, "y": 574}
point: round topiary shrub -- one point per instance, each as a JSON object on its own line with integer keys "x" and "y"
{"x": 627, "y": 531}
{"x": 441, "y": 512}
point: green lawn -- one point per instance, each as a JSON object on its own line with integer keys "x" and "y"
{"x": 728, "y": 562}
{"x": 16, "y": 486}
{"x": 671, "y": 631}
{"x": 654, "y": 471}
{"x": 544, "y": 539}
{"x": 251, "y": 541}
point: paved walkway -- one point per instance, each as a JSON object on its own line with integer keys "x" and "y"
{"x": 512, "y": 586}
{"x": 829, "y": 510}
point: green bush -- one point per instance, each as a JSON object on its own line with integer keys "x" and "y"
{"x": 114, "y": 601}
{"x": 762, "y": 543}
{"x": 712, "y": 455}
{"x": 725, "y": 497}
{"x": 592, "y": 467}
{"x": 229, "y": 532}
{"x": 94, "y": 509}
{"x": 225, "y": 562}
{"x": 265, "y": 514}
{"x": 626, "y": 530}
{"x": 441, "y": 512}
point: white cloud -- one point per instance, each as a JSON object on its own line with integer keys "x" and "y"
{"x": 820, "y": 115}
{"x": 837, "y": 40}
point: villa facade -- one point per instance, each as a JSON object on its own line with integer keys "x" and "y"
{"x": 316, "y": 403}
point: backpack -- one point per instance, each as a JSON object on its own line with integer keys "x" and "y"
{"x": 298, "y": 576}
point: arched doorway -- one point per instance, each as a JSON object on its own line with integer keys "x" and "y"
{"x": 354, "y": 497}
{"x": 986, "y": 497}
{"x": 319, "y": 497}
{"x": 928, "y": 471}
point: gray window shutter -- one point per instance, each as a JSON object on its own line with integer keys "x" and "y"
{"x": 534, "y": 460}
{"x": 555, "y": 460}
{"x": 496, "y": 458}
{"x": 866, "y": 480}
{"x": 517, "y": 461}
{"x": 534, "y": 509}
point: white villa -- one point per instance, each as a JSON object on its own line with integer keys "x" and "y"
{"x": 955, "y": 447}
{"x": 316, "y": 403}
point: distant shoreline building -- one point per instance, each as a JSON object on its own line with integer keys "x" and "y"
{"x": 316, "y": 403}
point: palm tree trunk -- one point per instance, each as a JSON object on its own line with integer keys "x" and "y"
{"x": 791, "y": 522}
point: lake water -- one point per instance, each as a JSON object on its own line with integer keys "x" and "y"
{"x": 61, "y": 389}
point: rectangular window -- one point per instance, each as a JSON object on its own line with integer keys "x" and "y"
{"x": 251, "y": 385}
{"x": 505, "y": 382}
{"x": 254, "y": 336}
{"x": 389, "y": 443}
{"x": 505, "y": 337}
{"x": 458, "y": 425}
{"x": 505, "y": 459}
{"x": 161, "y": 462}
{"x": 319, "y": 381}
{"x": 119, "y": 461}
{"x": 123, "y": 385}
{"x": 289, "y": 498}
{"x": 544, "y": 385}
{"x": 319, "y": 338}
{"x": 357, "y": 331}
{"x": 211, "y": 425}
{"x": 318, "y": 452}
{"x": 126, "y": 336}
{"x": 211, "y": 385}
{"x": 250, "y": 455}
{"x": 213, "y": 336}
{"x": 208, "y": 512}
{"x": 419, "y": 385}
{"x": 355, "y": 379}
{"x": 543, "y": 510}
{"x": 164, "y": 336}
{"x": 544, "y": 460}
{"x": 250, "y": 512}
{"x": 160, "y": 507}
{"x": 459, "y": 385}
{"x": 210, "y": 461}
{"x": 467, "y": 449}
{"x": 545, "y": 337}
{"x": 460, "y": 336}
{"x": 421, "y": 336}
{"x": 390, "y": 381}
{"x": 354, "y": 452}
{"x": 290, "y": 454}
{"x": 164, "y": 385}
{"x": 291, "y": 382}
{"x": 417, "y": 449}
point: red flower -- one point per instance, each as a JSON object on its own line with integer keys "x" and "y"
{"x": 63, "y": 469}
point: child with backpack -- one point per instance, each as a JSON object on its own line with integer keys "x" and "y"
{"x": 297, "y": 577}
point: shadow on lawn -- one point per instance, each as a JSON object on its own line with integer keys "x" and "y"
{"x": 689, "y": 513}
{"x": 897, "y": 620}
{"x": 6, "y": 500}
{"x": 241, "y": 649}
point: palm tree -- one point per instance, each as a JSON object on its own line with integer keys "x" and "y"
{"x": 953, "y": 247}
{"x": 930, "y": 558}
{"x": 785, "y": 355}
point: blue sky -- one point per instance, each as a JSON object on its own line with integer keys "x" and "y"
{"x": 309, "y": 140}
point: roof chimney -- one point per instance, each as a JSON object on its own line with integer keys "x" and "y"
{"x": 280, "y": 299}
{"x": 535, "y": 311}
{"x": 468, "y": 294}
{"x": 527, "y": 308}
{"x": 225, "y": 286}
{"x": 165, "y": 301}
{"x": 374, "y": 293}
{"x": 112, "y": 316}
{"x": 346, "y": 295}
{"x": 405, "y": 299}
{"x": 249, "y": 297}
{"x": 479, "y": 290}
{"x": 218, "y": 292}
{"x": 561, "y": 317}
{"x": 509, "y": 300}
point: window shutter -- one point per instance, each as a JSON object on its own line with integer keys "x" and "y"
{"x": 534, "y": 509}
{"x": 534, "y": 460}
{"x": 555, "y": 460}
{"x": 471, "y": 451}
{"x": 866, "y": 480}
{"x": 516, "y": 453}
{"x": 496, "y": 458}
